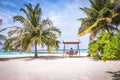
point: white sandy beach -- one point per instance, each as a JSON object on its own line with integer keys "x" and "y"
{"x": 55, "y": 67}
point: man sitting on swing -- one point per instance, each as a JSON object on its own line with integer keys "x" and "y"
{"x": 71, "y": 52}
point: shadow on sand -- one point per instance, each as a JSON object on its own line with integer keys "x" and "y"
{"x": 115, "y": 75}
{"x": 29, "y": 58}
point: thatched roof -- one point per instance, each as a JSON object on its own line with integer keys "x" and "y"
{"x": 71, "y": 41}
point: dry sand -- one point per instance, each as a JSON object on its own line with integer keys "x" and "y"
{"x": 55, "y": 67}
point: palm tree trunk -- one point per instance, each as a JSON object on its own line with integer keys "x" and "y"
{"x": 36, "y": 55}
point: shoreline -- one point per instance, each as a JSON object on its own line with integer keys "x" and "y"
{"x": 42, "y": 54}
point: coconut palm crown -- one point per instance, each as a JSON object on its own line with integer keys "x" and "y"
{"x": 102, "y": 16}
{"x": 34, "y": 32}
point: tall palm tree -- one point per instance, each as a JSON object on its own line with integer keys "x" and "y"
{"x": 35, "y": 31}
{"x": 100, "y": 18}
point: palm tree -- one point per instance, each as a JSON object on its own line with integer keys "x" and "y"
{"x": 35, "y": 31}
{"x": 100, "y": 18}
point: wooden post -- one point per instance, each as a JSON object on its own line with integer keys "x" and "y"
{"x": 78, "y": 49}
{"x": 64, "y": 54}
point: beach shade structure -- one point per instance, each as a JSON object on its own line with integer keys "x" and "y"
{"x": 72, "y": 42}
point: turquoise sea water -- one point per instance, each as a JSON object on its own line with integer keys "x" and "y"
{"x": 39, "y": 52}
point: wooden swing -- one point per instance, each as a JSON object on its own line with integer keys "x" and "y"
{"x": 71, "y": 53}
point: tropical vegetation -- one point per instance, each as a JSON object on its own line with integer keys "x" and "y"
{"x": 102, "y": 16}
{"x": 34, "y": 32}
{"x": 107, "y": 46}
{"x": 102, "y": 22}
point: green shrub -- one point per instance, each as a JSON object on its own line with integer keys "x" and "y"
{"x": 107, "y": 46}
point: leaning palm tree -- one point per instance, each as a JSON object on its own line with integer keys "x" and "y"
{"x": 100, "y": 18}
{"x": 35, "y": 31}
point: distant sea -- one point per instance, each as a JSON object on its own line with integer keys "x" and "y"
{"x": 39, "y": 52}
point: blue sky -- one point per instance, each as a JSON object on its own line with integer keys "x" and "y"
{"x": 63, "y": 13}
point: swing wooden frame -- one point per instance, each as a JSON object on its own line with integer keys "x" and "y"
{"x": 65, "y": 42}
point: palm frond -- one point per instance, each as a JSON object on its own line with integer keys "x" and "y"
{"x": 19, "y": 18}
{"x": 2, "y": 37}
{"x": 11, "y": 43}
{"x": 28, "y": 24}
{"x": 29, "y": 7}
{"x": 43, "y": 25}
{"x": 17, "y": 31}
{"x": 93, "y": 4}
{"x": 55, "y": 30}
{"x": 38, "y": 13}
{"x": 94, "y": 25}
{"x": 23, "y": 10}
{"x": 37, "y": 10}
{"x": 10, "y": 27}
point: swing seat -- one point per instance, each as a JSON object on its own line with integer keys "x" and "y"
{"x": 71, "y": 53}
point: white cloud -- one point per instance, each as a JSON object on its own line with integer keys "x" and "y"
{"x": 57, "y": 19}
{"x": 9, "y": 3}
{"x": 66, "y": 20}
{"x": 7, "y": 17}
